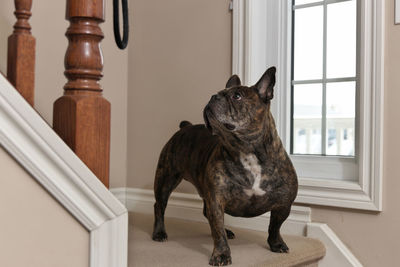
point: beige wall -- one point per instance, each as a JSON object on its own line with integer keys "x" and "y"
{"x": 35, "y": 230}
{"x": 374, "y": 238}
{"x": 49, "y": 26}
{"x": 179, "y": 56}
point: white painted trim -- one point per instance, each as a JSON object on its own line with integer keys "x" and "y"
{"x": 238, "y": 44}
{"x": 366, "y": 191}
{"x": 31, "y": 141}
{"x": 120, "y": 194}
{"x": 397, "y": 12}
{"x": 319, "y": 3}
{"x": 190, "y": 207}
{"x": 336, "y": 250}
{"x": 108, "y": 243}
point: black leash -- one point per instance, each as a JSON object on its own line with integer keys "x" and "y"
{"x": 121, "y": 43}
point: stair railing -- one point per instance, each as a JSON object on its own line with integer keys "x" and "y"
{"x": 82, "y": 115}
{"x": 21, "y": 52}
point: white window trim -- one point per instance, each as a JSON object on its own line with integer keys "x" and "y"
{"x": 258, "y": 24}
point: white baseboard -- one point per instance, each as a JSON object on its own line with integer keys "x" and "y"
{"x": 120, "y": 194}
{"x": 337, "y": 252}
{"x": 190, "y": 207}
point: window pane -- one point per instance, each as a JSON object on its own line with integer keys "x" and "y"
{"x": 302, "y": 2}
{"x": 307, "y": 115}
{"x": 340, "y": 115}
{"x": 341, "y": 39}
{"x": 308, "y": 43}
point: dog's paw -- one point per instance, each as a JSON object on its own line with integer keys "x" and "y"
{"x": 279, "y": 247}
{"x": 160, "y": 236}
{"x": 229, "y": 234}
{"x": 220, "y": 260}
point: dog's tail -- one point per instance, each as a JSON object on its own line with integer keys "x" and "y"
{"x": 183, "y": 124}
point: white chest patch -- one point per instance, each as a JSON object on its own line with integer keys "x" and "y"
{"x": 250, "y": 163}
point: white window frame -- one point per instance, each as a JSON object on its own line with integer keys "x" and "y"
{"x": 261, "y": 24}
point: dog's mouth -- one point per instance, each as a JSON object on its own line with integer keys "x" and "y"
{"x": 209, "y": 113}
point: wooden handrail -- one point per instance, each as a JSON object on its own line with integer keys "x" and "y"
{"x": 21, "y": 52}
{"x": 82, "y": 116}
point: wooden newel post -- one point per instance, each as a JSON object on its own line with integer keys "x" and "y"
{"x": 82, "y": 115}
{"x": 21, "y": 52}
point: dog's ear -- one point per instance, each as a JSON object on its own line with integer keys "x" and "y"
{"x": 207, "y": 121}
{"x": 265, "y": 86}
{"x": 234, "y": 80}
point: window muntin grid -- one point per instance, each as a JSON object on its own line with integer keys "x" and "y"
{"x": 335, "y": 128}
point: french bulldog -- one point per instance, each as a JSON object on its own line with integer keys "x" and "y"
{"x": 236, "y": 161}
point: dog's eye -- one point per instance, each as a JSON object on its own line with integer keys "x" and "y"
{"x": 237, "y": 96}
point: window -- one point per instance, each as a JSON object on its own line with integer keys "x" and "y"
{"x": 324, "y": 56}
{"x": 329, "y": 90}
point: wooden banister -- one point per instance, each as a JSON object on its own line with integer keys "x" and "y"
{"x": 82, "y": 116}
{"x": 21, "y": 52}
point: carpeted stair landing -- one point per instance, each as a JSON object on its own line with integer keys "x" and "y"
{"x": 190, "y": 244}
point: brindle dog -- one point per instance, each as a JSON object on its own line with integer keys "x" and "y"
{"x": 236, "y": 162}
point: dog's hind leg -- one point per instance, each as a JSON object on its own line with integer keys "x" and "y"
{"x": 229, "y": 233}
{"x": 164, "y": 184}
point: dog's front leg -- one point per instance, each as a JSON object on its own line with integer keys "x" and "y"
{"x": 275, "y": 241}
{"x": 221, "y": 254}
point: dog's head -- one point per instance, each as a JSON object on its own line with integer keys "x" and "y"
{"x": 241, "y": 110}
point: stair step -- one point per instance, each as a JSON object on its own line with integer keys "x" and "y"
{"x": 190, "y": 244}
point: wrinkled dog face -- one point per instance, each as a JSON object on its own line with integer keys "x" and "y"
{"x": 234, "y": 109}
{"x": 240, "y": 109}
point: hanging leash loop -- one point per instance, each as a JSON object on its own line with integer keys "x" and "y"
{"x": 121, "y": 43}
